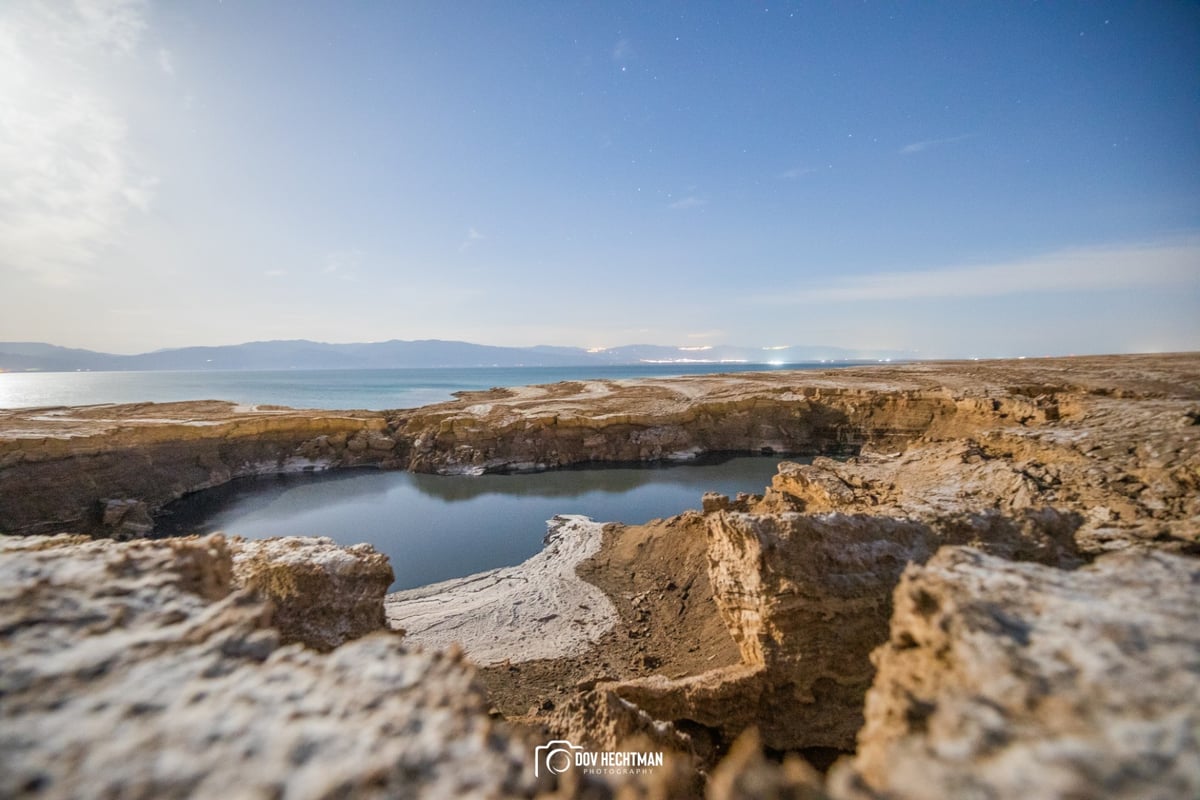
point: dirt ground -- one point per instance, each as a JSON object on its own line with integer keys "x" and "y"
{"x": 656, "y": 576}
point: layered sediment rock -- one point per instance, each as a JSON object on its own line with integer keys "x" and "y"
{"x": 1007, "y": 680}
{"x": 807, "y": 598}
{"x": 105, "y": 469}
{"x": 997, "y": 679}
{"x": 320, "y": 594}
{"x": 137, "y": 670}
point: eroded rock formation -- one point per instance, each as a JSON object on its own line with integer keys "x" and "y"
{"x": 807, "y": 598}
{"x": 96, "y": 469}
{"x": 804, "y": 576}
{"x": 1007, "y": 680}
{"x": 320, "y": 594}
{"x": 137, "y": 670}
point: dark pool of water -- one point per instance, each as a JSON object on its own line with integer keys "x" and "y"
{"x": 435, "y": 527}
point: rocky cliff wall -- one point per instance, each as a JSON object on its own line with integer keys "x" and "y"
{"x": 807, "y": 598}
{"x": 60, "y": 468}
{"x": 155, "y": 669}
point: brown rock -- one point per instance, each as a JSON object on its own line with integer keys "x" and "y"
{"x": 744, "y": 774}
{"x": 1028, "y": 460}
{"x": 59, "y": 467}
{"x": 807, "y": 598}
{"x": 126, "y": 518}
{"x": 813, "y": 488}
{"x": 1007, "y": 680}
{"x": 601, "y": 720}
{"x": 321, "y": 594}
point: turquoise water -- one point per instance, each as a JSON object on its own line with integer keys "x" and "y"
{"x": 374, "y": 389}
{"x": 435, "y": 527}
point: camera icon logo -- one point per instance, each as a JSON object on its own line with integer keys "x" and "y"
{"x": 555, "y": 757}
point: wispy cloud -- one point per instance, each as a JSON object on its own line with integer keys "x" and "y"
{"x": 166, "y": 62}
{"x": 796, "y": 172}
{"x": 67, "y": 171}
{"x": 343, "y": 263}
{"x": 469, "y": 241}
{"x": 1074, "y": 270}
{"x": 925, "y": 144}
{"x": 117, "y": 24}
{"x": 691, "y": 201}
{"x": 623, "y": 51}
{"x": 276, "y": 273}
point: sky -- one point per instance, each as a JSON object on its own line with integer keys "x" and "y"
{"x": 952, "y": 179}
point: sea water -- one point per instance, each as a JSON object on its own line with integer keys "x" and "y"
{"x": 372, "y": 389}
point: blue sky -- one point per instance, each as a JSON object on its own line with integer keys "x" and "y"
{"x": 958, "y": 179}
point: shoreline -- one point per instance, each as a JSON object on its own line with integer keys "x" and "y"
{"x": 539, "y": 609}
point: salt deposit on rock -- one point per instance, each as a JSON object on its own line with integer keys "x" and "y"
{"x": 538, "y": 609}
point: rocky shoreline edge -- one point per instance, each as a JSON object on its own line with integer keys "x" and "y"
{"x": 994, "y": 595}
{"x": 539, "y": 609}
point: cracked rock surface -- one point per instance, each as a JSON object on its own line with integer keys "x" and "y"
{"x": 137, "y": 670}
{"x": 1058, "y": 470}
{"x": 807, "y": 598}
{"x": 1005, "y": 680}
{"x": 321, "y": 594}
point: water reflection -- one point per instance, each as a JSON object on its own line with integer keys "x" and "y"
{"x": 435, "y": 527}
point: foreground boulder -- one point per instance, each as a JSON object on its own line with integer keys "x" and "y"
{"x": 1005, "y": 680}
{"x": 137, "y": 670}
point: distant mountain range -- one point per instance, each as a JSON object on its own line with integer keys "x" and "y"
{"x": 303, "y": 354}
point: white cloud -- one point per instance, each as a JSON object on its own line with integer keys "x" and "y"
{"x": 623, "y": 51}
{"x": 342, "y": 263}
{"x": 691, "y": 201}
{"x": 275, "y": 273}
{"x": 166, "y": 62}
{"x": 112, "y": 23}
{"x": 796, "y": 172}
{"x": 917, "y": 147}
{"x": 67, "y": 173}
{"x": 1075, "y": 270}
{"x": 140, "y": 195}
{"x": 472, "y": 237}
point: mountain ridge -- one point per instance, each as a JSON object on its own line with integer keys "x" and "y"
{"x": 283, "y": 354}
